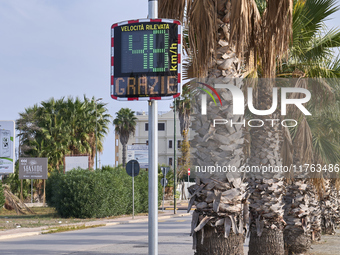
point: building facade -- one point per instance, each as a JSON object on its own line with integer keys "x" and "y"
{"x": 166, "y": 139}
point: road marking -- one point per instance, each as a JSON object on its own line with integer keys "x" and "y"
{"x": 180, "y": 220}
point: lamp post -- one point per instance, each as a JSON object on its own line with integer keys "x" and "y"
{"x": 174, "y": 161}
{"x": 96, "y": 129}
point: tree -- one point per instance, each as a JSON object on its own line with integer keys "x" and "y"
{"x": 60, "y": 127}
{"x": 264, "y": 35}
{"x": 310, "y": 56}
{"x": 183, "y": 107}
{"x": 125, "y": 125}
{"x": 211, "y": 228}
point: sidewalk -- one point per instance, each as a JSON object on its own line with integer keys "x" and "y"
{"x": 329, "y": 245}
{"x": 23, "y": 232}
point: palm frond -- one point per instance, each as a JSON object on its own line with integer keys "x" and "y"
{"x": 202, "y": 21}
{"x": 173, "y": 9}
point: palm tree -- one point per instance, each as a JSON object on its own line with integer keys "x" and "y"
{"x": 125, "y": 125}
{"x": 183, "y": 107}
{"x": 264, "y": 34}
{"x": 61, "y": 127}
{"x": 97, "y": 118}
{"x": 310, "y": 56}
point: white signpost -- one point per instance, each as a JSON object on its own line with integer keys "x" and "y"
{"x": 7, "y": 146}
{"x": 146, "y": 65}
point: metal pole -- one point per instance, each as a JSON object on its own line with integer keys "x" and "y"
{"x": 31, "y": 190}
{"x": 96, "y": 135}
{"x": 175, "y": 173}
{"x": 153, "y": 178}
{"x": 153, "y": 159}
{"x": 163, "y": 195}
{"x": 133, "y": 190}
{"x": 21, "y": 187}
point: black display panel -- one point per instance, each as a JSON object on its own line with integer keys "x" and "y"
{"x": 146, "y": 60}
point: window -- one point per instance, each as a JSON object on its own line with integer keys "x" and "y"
{"x": 170, "y": 161}
{"x": 170, "y": 144}
{"x": 179, "y": 142}
{"x": 161, "y": 126}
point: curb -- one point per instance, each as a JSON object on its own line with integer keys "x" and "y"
{"x": 19, "y": 235}
{"x": 146, "y": 219}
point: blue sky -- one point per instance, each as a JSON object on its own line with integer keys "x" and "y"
{"x": 60, "y": 48}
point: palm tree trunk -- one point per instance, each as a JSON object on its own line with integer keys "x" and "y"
{"x": 210, "y": 243}
{"x": 219, "y": 196}
{"x": 266, "y": 189}
{"x": 270, "y": 242}
{"x": 124, "y": 154}
{"x": 329, "y": 209}
{"x": 297, "y": 232}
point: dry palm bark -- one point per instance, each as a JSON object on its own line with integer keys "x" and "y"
{"x": 221, "y": 211}
{"x": 214, "y": 26}
{"x": 297, "y": 232}
{"x": 14, "y": 202}
{"x": 329, "y": 208}
{"x": 269, "y": 36}
{"x": 315, "y": 215}
{"x": 221, "y": 208}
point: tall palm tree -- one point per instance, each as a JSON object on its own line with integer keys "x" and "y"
{"x": 125, "y": 125}
{"x": 264, "y": 34}
{"x": 310, "y": 56}
{"x": 210, "y": 221}
{"x": 183, "y": 107}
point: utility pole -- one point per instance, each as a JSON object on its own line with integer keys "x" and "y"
{"x": 153, "y": 160}
{"x": 175, "y": 173}
{"x": 96, "y": 129}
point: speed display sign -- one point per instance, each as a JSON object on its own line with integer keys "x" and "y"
{"x": 146, "y": 59}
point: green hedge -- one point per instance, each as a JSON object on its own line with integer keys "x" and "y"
{"x": 101, "y": 193}
{"x": 2, "y": 196}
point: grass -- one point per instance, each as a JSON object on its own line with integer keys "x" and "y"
{"x": 43, "y": 216}
{"x": 47, "y": 217}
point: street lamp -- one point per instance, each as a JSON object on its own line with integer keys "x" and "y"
{"x": 96, "y": 129}
{"x": 174, "y": 161}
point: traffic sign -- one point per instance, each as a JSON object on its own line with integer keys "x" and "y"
{"x": 189, "y": 171}
{"x": 164, "y": 182}
{"x": 165, "y": 170}
{"x": 132, "y": 165}
{"x": 146, "y": 59}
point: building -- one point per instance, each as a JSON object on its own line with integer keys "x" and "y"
{"x": 165, "y": 137}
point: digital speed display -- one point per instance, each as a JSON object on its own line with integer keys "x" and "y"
{"x": 146, "y": 59}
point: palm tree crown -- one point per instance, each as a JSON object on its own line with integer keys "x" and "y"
{"x": 125, "y": 125}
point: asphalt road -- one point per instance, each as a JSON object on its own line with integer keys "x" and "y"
{"x": 127, "y": 239}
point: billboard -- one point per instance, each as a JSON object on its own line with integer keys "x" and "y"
{"x": 7, "y": 146}
{"x": 139, "y": 153}
{"x": 74, "y": 162}
{"x": 33, "y": 168}
{"x": 146, "y": 59}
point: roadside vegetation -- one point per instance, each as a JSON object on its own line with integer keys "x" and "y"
{"x": 101, "y": 193}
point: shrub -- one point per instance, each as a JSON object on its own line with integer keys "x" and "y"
{"x": 101, "y": 193}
